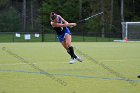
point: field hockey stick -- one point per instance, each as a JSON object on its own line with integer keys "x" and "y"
{"x": 93, "y": 16}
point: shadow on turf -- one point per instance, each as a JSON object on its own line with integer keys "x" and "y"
{"x": 62, "y": 82}
{"x": 21, "y": 59}
{"x": 117, "y": 74}
{"x": 3, "y": 92}
{"x": 58, "y": 80}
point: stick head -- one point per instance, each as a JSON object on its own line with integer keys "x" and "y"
{"x": 102, "y": 12}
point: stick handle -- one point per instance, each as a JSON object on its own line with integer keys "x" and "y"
{"x": 89, "y": 17}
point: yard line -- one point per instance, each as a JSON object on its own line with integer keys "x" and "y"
{"x": 111, "y": 60}
{"x": 26, "y": 64}
{"x": 70, "y": 75}
{"x": 14, "y": 64}
{"x": 116, "y": 46}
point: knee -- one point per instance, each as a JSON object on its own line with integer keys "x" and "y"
{"x": 68, "y": 43}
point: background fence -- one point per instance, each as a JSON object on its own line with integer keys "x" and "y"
{"x": 51, "y": 37}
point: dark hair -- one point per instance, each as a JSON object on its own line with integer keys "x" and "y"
{"x": 53, "y": 16}
{"x": 52, "y": 13}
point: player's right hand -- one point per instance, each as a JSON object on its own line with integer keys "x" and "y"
{"x": 72, "y": 24}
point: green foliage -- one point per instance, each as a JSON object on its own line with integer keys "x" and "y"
{"x": 10, "y": 21}
{"x": 136, "y": 18}
{"x": 66, "y": 8}
{"x": 4, "y": 4}
{"x": 70, "y": 9}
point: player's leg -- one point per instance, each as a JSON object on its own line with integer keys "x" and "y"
{"x": 67, "y": 48}
{"x": 70, "y": 49}
{"x": 66, "y": 44}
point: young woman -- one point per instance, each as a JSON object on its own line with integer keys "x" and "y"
{"x": 61, "y": 26}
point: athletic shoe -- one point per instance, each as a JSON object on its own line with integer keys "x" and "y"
{"x": 79, "y": 59}
{"x": 139, "y": 76}
{"x": 72, "y": 61}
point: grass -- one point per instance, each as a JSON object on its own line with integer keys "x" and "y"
{"x": 86, "y": 77}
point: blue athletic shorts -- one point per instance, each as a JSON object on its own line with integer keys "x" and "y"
{"x": 62, "y": 37}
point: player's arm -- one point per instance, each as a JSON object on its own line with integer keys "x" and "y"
{"x": 63, "y": 20}
{"x": 63, "y": 25}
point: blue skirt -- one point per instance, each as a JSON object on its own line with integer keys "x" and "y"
{"x": 62, "y": 37}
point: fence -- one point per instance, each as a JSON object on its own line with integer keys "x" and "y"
{"x": 52, "y": 37}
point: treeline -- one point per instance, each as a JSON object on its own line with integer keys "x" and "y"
{"x": 9, "y": 18}
{"x": 33, "y": 15}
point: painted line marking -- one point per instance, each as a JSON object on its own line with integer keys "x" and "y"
{"x": 69, "y": 75}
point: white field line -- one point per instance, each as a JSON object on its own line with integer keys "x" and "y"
{"x": 14, "y": 64}
{"x": 112, "y": 60}
{"x": 116, "y": 46}
{"x": 119, "y": 60}
{"x": 26, "y": 63}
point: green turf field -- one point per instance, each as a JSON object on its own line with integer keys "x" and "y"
{"x": 43, "y": 68}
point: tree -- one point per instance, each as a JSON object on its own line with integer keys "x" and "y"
{"x": 80, "y": 9}
{"x": 74, "y": 10}
{"x": 102, "y": 18}
{"x": 67, "y": 9}
{"x": 4, "y": 4}
{"x": 10, "y": 21}
{"x": 111, "y": 14}
{"x": 24, "y": 15}
{"x": 122, "y": 10}
{"x": 32, "y": 14}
